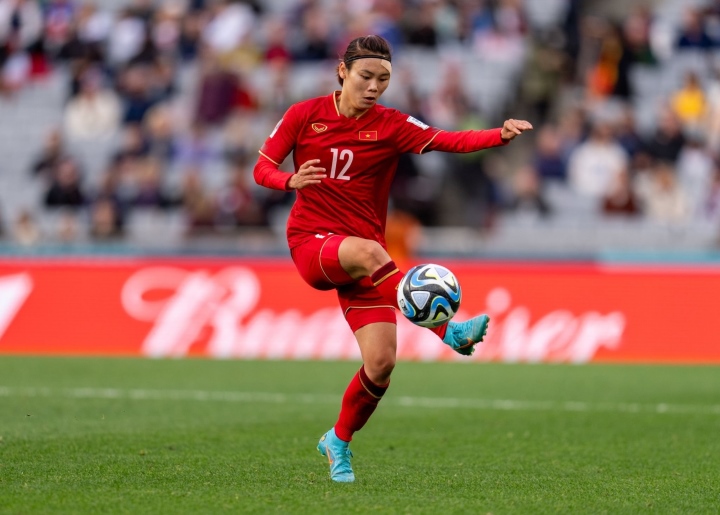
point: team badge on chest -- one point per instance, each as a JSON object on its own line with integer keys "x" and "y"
{"x": 368, "y": 135}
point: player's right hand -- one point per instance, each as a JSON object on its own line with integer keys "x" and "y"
{"x": 308, "y": 173}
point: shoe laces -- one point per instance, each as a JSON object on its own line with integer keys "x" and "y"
{"x": 342, "y": 461}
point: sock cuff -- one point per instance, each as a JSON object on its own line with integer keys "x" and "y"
{"x": 373, "y": 389}
{"x": 382, "y": 273}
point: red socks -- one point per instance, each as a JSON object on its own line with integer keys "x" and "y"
{"x": 359, "y": 402}
{"x": 386, "y": 279}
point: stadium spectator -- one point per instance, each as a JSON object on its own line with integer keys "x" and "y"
{"x": 159, "y": 132}
{"x": 542, "y": 75}
{"x": 109, "y": 191}
{"x": 402, "y": 236}
{"x": 94, "y": 114}
{"x": 636, "y": 36}
{"x": 626, "y": 132}
{"x": 449, "y": 103}
{"x": 279, "y": 95}
{"x": 198, "y": 204}
{"x": 667, "y": 140}
{"x": 695, "y": 170}
{"x": 276, "y": 49}
{"x": 572, "y": 128}
{"x": 713, "y": 112}
{"x": 135, "y": 86}
{"x": 59, "y": 21}
{"x": 229, "y": 24}
{"x": 105, "y": 221}
{"x": 548, "y": 159}
{"x": 21, "y": 53}
{"x": 93, "y": 24}
{"x": 419, "y": 26}
{"x": 25, "y": 230}
{"x": 237, "y": 204}
{"x": 220, "y": 92}
{"x": 689, "y": 104}
{"x": 315, "y": 42}
{"x": 130, "y": 154}
{"x": 594, "y": 163}
{"x": 126, "y": 38}
{"x": 68, "y": 227}
{"x": 711, "y": 206}
{"x": 608, "y": 74}
{"x": 189, "y": 40}
{"x": 663, "y": 198}
{"x": 53, "y": 151}
{"x": 347, "y": 253}
{"x": 621, "y": 199}
{"x": 82, "y": 43}
{"x": 527, "y": 200}
{"x": 414, "y": 192}
{"x": 65, "y": 188}
{"x": 195, "y": 147}
{"x": 148, "y": 190}
{"x": 693, "y": 34}
{"x": 165, "y": 28}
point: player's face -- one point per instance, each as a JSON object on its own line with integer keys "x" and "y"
{"x": 363, "y": 84}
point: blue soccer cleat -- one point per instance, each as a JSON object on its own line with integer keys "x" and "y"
{"x": 338, "y": 455}
{"x": 463, "y": 336}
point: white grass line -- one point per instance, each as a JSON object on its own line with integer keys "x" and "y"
{"x": 404, "y": 401}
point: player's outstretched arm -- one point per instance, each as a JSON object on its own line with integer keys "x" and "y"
{"x": 512, "y": 128}
{"x": 474, "y": 140}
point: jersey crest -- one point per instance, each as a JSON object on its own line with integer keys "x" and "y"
{"x": 319, "y": 127}
{"x": 367, "y": 135}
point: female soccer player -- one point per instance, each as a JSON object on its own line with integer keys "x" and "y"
{"x": 346, "y": 148}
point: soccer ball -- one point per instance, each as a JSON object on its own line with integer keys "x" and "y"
{"x": 429, "y": 295}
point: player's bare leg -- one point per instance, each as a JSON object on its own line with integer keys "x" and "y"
{"x": 362, "y": 258}
{"x": 367, "y": 258}
{"x": 378, "y": 347}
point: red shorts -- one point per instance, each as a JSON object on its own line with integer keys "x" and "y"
{"x": 318, "y": 262}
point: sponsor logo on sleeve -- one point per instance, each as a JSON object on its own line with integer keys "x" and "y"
{"x": 417, "y": 122}
{"x": 276, "y": 128}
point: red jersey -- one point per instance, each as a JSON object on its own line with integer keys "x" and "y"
{"x": 360, "y": 156}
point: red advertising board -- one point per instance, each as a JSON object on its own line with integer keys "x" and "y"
{"x": 261, "y": 309}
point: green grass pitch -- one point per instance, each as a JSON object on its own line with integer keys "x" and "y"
{"x": 90, "y": 435}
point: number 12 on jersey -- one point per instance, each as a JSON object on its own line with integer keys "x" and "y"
{"x": 345, "y": 157}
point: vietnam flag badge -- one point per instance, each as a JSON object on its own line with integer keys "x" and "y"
{"x": 368, "y": 135}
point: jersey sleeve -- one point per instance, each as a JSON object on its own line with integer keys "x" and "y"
{"x": 466, "y": 141}
{"x": 283, "y": 137}
{"x": 411, "y": 135}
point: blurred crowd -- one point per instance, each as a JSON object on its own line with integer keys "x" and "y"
{"x": 192, "y": 150}
{"x": 667, "y": 169}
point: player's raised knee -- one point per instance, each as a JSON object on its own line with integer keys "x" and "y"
{"x": 365, "y": 256}
{"x": 379, "y": 368}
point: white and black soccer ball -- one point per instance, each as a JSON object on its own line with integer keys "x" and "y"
{"x": 429, "y": 295}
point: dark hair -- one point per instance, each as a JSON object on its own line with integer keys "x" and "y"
{"x": 364, "y": 45}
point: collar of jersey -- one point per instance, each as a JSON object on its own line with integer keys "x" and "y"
{"x": 333, "y": 97}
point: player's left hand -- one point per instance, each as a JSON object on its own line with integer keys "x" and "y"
{"x": 512, "y": 128}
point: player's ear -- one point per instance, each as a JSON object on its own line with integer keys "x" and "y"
{"x": 342, "y": 71}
